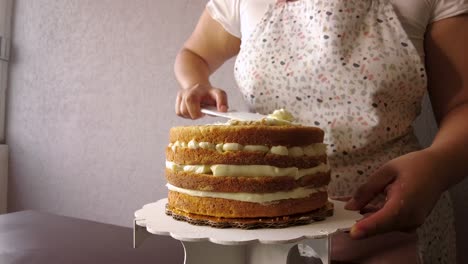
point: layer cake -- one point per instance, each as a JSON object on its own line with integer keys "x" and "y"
{"x": 246, "y": 174}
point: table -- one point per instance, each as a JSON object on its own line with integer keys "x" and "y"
{"x": 41, "y": 238}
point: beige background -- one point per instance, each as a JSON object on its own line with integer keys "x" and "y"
{"x": 91, "y": 101}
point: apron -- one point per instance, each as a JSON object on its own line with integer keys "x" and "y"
{"x": 346, "y": 66}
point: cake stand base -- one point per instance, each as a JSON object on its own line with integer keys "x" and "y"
{"x": 204, "y": 244}
{"x": 208, "y": 252}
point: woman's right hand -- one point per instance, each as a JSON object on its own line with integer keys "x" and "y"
{"x": 207, "y": 48}
{"x": 189, "y": 101}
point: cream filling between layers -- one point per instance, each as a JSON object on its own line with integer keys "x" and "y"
{"x": 297, "y": 193}
{"x": 248, "y": 170}
{"x": 309, "y": 150}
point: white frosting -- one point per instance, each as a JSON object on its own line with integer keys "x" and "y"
{"x": 317, "y": 169}
{"x": 280, "y": 150}
{"x": 256, "y": 148}
{"x": 277, "y": 122}
{"x": 309, "y": 150}
{"x": 279, "y": 117}
{"x": 282, "y": 115}
{"x": 199, "y": 169}
{"x": 174, "y": 145}
{"x": 296, "y": 151}
{"x": 206, "y": 145}
{"x": 232, "y": 147}
{"x": 252, "y": 197}
{"x": 248, "y": 170}
{"x": 315, "y": 150}
{"x": 219, "y": 147}
{"x": 252, "y": 170}
{"x": 193, "y": 144}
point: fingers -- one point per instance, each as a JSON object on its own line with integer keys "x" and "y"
{"x": 369, "y": 209}
{"x": 188, "y": 104}
{"x": 178, "y": 103}
{"x": 397, "y": 214}
{"x": 189, "y": 101}
{"x": 382, "y": 221}
{"x": 220, "y": 97}
{"x": 181, "y": 108}
{"x": 375, "y": 185}
{"x": 409, "y": 196}
{"x": 192, "y": 103}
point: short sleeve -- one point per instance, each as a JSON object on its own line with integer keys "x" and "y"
{"x": 448, "y": 8}
{"x": 227, "y": 13}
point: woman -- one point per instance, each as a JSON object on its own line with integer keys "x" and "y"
{"x": 358, "y": 69}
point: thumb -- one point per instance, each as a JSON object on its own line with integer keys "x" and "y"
{"x": 221, "y": 99}
{"x": 376, "y": 184}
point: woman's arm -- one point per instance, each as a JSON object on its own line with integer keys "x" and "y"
{"x": 204, "y": 52}
{"x": 447, "y": 69}
{"x": 414, "y": 182}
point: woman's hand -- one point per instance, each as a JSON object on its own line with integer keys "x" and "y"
{"x": 189, "y": 101}
{"x": 208, "y": 47}
{"x": 412, "y": 185}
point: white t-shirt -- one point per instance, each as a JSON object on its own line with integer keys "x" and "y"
{"x": 240, "y": 17}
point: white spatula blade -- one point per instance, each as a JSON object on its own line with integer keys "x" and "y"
{"x": 232, "y": 114}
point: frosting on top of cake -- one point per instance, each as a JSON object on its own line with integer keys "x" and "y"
{"x": 280, "y": 117}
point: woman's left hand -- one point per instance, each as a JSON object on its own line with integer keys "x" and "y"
{"x": 412, "y": 184}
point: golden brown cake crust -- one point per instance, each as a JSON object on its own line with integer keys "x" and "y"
{"x": 186, "y": 156}
{"x": 249, "y": 134}
{"x": 236, "y": 209}
{"x": 205, "y": 182}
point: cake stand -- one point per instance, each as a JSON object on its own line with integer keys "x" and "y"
{"x": 205, "y": 245}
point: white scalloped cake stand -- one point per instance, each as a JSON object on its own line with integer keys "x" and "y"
{"x": 205, "y": 245}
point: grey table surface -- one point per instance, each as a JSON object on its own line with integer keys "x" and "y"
{"x": 32, "y": 237}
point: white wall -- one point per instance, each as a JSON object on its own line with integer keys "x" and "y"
{"x": 91, "y": 103}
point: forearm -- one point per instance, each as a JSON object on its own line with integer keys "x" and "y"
{"x": 190, "y": 69}
{"x": 450, "y": 146}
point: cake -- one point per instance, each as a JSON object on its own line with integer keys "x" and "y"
{"x": 248, "y": 174}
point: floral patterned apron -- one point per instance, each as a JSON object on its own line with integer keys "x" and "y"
{"x": 346, "y": 66}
